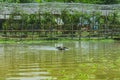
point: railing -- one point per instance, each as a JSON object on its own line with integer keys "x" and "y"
{"x": 60, "y": 34}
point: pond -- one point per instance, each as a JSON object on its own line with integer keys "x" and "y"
{"x": 83, "y": 60}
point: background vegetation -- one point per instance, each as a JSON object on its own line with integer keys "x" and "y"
{"x": 81, "y": 1}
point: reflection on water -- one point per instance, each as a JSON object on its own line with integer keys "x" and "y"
{"x": 85, "y": 60}
{"x": 42, "y": 48}
{"x": 29, "y": 72}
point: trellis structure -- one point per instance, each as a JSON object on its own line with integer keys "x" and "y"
{"x": 59, "y": 20}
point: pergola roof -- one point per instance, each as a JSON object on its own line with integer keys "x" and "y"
{"x": 55, "y": 8}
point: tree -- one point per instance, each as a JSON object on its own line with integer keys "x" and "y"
{"x": 82, "y": 1}
{"x": 26, "y": 1}
{"x": 38, "y": 1}
{"x": 11, "y": 1}
{"x": 109, "y": 1}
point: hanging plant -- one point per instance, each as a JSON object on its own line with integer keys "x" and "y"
{"x": 67, "y": 19}
{"x": 86, "y": 20}
{"x": 49, "y": 19}
{"x": 66, "y": 16}
{"x": 76, "y": 19}
{"x": 24, "y": 22}
{"x": 96, "y": 20}
{"x": 113, "y": 17}
{"x": 5, "y": 25}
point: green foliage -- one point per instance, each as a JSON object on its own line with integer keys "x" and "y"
{"x": 37, "y": 1}
{"x": 67, "y": 19}
{"x": 66, "y": 16}
{"x": 113, "y": 18}
{"x": 110, "y": 1}
{"x": 75, "y": 17}
{"x": 5, "y": 25}
{"x": 81, "y": 1}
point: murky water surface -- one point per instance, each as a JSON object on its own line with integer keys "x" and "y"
{"x": 84, "y": 60}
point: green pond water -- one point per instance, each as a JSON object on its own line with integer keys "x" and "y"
{"x": 83, "y": 60}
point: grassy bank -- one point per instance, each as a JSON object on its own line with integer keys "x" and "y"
{"x": 30, "y": 41}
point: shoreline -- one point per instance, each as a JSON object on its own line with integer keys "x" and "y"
{"x": 61, "y": 40}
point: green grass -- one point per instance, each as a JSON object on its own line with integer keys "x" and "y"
{"x": 30, "y": 41}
